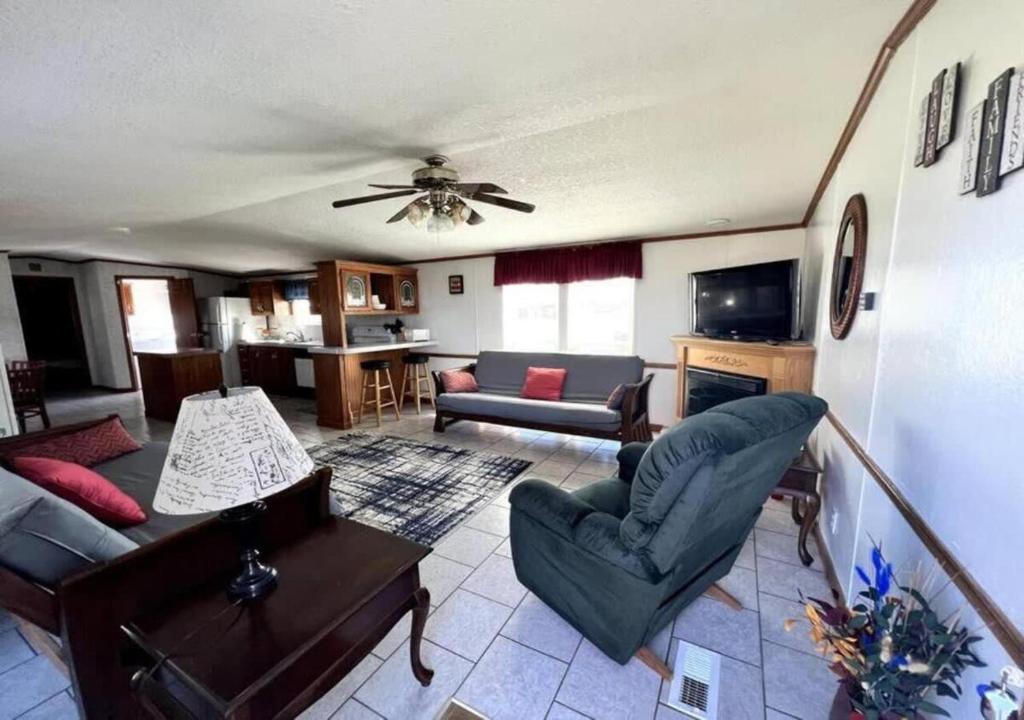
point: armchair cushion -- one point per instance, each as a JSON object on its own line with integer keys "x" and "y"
{"x": 608, "y": 496}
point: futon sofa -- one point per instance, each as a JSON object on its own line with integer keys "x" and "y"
{"x": 620, "y": 558}
{"x": 582, "y": 410}
{"x": 44, "y": 538}
{"x": 64, "y": 571}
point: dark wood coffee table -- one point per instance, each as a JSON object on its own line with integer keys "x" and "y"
{"x": 342, "y": 587}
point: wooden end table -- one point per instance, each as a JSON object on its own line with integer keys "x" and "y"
{"x": 801, "y": 484}
{"x": 341, "y": 588}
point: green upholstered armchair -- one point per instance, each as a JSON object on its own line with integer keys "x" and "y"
{"x": 620, "y": 558}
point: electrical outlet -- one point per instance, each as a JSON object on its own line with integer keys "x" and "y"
{"x": 833, "y": 522}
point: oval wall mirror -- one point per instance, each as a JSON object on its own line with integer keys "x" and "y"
{"x": 848, "y": 266}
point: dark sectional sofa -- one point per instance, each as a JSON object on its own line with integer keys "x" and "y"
{"x": 583, "y": 410}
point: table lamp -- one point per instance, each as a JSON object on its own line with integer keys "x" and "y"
{"x": 229, "y": 450}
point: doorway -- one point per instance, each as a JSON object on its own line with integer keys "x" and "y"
{"x": 158, "y": 314}
{"x": 52, "y": 327}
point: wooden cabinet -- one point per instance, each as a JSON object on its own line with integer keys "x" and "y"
{"x": 168, "y": 377}
{"x": 784, "y": 366}
{"x": 263, "y": 295}
{"x": 396, "y": 288}
{"x": 407, "y": 293}
{"x": 355, "y": 290}
{"x": 271, "y": 368}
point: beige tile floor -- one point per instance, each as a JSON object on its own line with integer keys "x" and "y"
{"x": 495, "y": 646}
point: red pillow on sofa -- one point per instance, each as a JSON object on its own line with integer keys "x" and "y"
{"x": 88, "y": 447}
{"x": 543, "y": 383}
{"x": 82, "y": 487}
{"x": 459, "y": 381}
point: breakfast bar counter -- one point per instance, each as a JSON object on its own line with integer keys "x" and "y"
{"x": 361, "y": 348}
{"x": 339, "y": 377}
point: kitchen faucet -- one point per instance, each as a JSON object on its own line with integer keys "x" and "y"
{"x": 297, "y": 334}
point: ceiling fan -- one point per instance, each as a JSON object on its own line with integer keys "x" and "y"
{"x": 443, "y": 202}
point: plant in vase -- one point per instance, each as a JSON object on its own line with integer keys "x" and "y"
{"x": 890, "y": 649}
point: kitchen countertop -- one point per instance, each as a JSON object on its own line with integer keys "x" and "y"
{"x": 177, "y": 352}
{"x": 285, "y": 344}
{"x": 355, "y": 349}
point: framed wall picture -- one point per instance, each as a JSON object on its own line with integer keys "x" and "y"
{"x": 922, "y": 130}
{"x": 931, "y": 138}
{"x": 972, "y": 148}
{"x": 992, "y": 134}
{"x": 948, "y": 106}
{"x": 455, "y": 285}
{"x": 1013, "y": 132}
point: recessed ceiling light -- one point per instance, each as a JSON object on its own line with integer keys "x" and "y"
{"x": 718, "y": 222}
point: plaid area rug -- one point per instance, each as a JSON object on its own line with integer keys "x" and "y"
{"x": 417, "y": 490}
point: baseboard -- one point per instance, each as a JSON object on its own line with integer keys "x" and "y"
{"x": 827, "y": 565}
{"x": 113, "y": 389}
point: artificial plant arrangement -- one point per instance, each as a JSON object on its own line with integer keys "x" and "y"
{"x": 890, "y": 649}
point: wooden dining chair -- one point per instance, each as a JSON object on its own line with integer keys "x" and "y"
{"x": 27, "y": 379}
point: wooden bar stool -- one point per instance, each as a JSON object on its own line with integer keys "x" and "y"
{"x": 376, "y": 367}
{"x": 412, "y": 382}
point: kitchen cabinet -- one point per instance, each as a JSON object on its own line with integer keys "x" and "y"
{"x": 355, "y": 290}
{"x": 270, "y": 368}
{"x": 407, "y": 293}
{"x": 263, "y": 295}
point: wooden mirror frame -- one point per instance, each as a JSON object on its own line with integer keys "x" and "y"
{"x": 855, "y": 214}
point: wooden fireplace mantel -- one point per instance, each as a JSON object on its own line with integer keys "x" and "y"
{"x": 785, "y": 366}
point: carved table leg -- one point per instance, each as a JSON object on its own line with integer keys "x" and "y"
{"x": 810, "y": 517}
{"x": 795, "y": 511}
{"x": 419, "y": 620}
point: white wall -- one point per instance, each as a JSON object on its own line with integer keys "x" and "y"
{"x": 471, "y": 322}
{"x": 930, "y": 382}
{"x": 98, "y": 305}
{"x": 11, "y": 339}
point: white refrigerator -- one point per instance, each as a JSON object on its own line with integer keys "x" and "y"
{"x": 224, "y": 321}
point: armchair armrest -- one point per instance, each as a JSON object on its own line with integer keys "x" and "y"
{"x": 629, "y": 458}
{"x": 550, "y": 506}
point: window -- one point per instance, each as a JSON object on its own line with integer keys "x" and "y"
{"x": 595, "y": 316}
{"x": 530, "y": 317}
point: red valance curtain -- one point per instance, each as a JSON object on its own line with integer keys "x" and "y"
{"x": 570, "y": 264}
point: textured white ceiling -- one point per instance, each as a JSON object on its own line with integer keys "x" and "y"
{"x": 221, "y": 131}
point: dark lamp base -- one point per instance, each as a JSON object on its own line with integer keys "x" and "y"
{"x": 256, "y": 579}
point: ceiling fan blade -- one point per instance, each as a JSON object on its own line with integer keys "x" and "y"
{"x": 478, "y": 187}
{"x": 404, "y": 211}
{"x": 371, "y": 198}
{"x": 475, "y": 218}
{"x": 394, "y": 187}
{"x": 502, "y": 202}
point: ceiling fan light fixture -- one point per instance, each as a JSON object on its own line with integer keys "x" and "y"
{"x": 459, "y": 212}
{"x": 418, "y": 212}
{"x": 439, "y": 221}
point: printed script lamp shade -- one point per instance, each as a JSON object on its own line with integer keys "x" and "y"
{"x": 228, "y": 451}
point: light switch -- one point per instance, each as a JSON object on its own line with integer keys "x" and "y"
{"x": 867, "y": 301}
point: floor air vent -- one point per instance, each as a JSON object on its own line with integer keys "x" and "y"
{"x": 694, "y": 688}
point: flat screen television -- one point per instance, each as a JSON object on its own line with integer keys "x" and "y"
{"x": 750, "y": 302}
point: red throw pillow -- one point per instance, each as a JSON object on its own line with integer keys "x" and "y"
{"x": 543, "y": 383}
{"x": 459, "y": 381}
{"x": 82, "y": 487}
{"x": 88, "y": 447}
